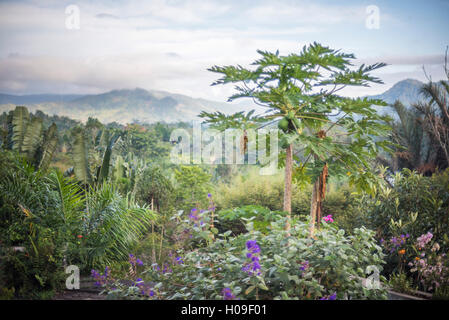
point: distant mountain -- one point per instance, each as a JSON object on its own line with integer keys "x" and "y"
{"x": 126, "y": 105}
{"x": 36, "y": 98}
{"x": 122, "y": 106}
{"x": 407, "y": 91}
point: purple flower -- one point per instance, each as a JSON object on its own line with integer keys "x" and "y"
{"x": 331, "y": 297}
{"x": 304, "y": 265}
{"x": 100, "y": 279}
{"x": 252, "y": 267}
{"x": 179, "y": 260}
{"x": 227, "y": 294}
{"x": 209, "y": 195}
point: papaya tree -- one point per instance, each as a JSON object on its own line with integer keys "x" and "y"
{"x": 336, "y": 134}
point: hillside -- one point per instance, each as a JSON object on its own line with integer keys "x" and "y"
{"x": 125, "y": 106}
{"x": 122, "y": 106}
{"x": 406, "y": 91}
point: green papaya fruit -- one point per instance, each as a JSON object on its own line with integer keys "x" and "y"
{"x": 283, "y": 124}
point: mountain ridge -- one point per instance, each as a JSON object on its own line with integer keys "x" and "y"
{"x": 127, "y": 105}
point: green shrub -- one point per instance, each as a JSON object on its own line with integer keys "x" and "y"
{"x": 290, "y": 265}
{"x": 413, "y": 195}
{"x": 235, "y": 219}
{"x": 31, "y": 239}
{"x": 401, "y": 283}
{"x": 192, "y": 186}
{"x": 154, "y": 188}
{"x": 268, "y": 191}
{"x": 111, "y": 228}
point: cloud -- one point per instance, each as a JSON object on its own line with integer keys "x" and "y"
{"x": 106, "y": 16}
{"x": 166, "y": 45}
{"x": 407, "y": 60}
{"x": 306, "y": 12}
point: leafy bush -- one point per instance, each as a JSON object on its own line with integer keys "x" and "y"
{"x": 430, "y": 266}
{"x": 31, "y": 239}
{"x": 279, "y": 265}
{"x": 415, "y": 205}
{"x": 268, "y": 191}
{"x": 234, "y": 219}
{"x": 154, "y": 188}
{"x": 193, "y": 184}
{"x": 111, "y": 227}
{"x": 401, "y": 283}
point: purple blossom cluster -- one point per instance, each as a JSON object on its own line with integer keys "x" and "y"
{"x": 253, "y": 266}
{"x": 395, "y": 242}
{"x": 133, "y": 261}
{"x": 212, "y": 206}
{"x": 304, "y": 265}
{"x": 101, "y": 279}
{"x": 144, "y": 290}
{"x": 167, "y": 267}
{"x": 194, "y": 214}
{"x": 431, "y": 267}
{"x": 423, "y": 240}
{"x": 330, "y": 297}
{"x": 179, "y": 260}
{"x": 196, "y": 218}
{"x": 227, "y": 294}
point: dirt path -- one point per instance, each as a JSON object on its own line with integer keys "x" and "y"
{"x": 78, "y": 295}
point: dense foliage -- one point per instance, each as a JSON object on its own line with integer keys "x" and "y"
{"x": 277, "y": 265}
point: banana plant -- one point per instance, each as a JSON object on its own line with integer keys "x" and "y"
{"x": 81, "y": 167}
{"x": 28, "y": 137}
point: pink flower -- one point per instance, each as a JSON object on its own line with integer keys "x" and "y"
{"x": 328, "y": 218}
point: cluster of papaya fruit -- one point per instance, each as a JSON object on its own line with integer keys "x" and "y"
{"x": 289, "y": 123}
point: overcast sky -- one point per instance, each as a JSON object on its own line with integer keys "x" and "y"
{"x": 168, "y": 45}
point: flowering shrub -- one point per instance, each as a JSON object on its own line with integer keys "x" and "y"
{"x": 415, "y": 204}
{"x": 132, "y": 286}
{"x": 101, "y": 279}
{"x": 227, "y": 294}
{"x": 430, "y": 266}
{"x": 279, "y": 265}
{"x": 253, "y": 266}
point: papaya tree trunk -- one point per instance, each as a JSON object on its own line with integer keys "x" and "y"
{"x": 288, "y": 184}
{"x": 318, "y": 195}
